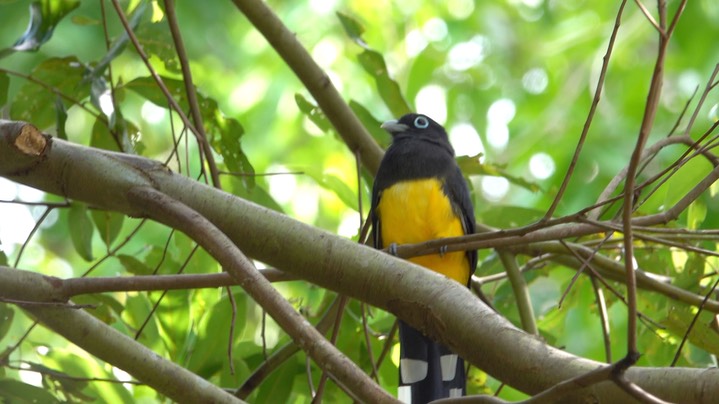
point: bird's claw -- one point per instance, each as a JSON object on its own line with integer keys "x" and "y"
{"x": 392, "y": 249}
{"x": 442, "y": 251}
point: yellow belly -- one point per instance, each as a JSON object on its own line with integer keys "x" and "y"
{"x": 417, "y": 211}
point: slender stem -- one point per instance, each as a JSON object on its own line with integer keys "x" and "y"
{"x": 190, "y": 90}
{"x": 204, "y": 145}
{"x": 521, "y": 292}
{"x": 177, "y": 215}
{"x": 316, "y": 81}
{"x": 590, "y": 116}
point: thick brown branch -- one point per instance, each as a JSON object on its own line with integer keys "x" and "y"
{"x": 171, "y": 212}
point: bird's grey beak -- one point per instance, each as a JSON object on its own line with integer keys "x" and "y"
{"x": 394, "y": 126}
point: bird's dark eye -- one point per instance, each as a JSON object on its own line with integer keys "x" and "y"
{"x": 421, "y": 122}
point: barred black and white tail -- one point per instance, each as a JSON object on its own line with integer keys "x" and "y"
{"x": 427, "y": 370}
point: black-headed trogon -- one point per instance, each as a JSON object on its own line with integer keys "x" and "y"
{"x": 419, "y": 194}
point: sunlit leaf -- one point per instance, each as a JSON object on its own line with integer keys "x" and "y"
{"x": 701, "y": 335}
{"x": 137, "y": 310}
{"x": 81, "y": 230}
{"x": 84, "y": 20}
{"x": 508, "y": 216}
{"x": 335, "y": 185}
{"x": 470, "y": 165}
{"x": 696, "y": 214}
{"x": 313, "y": 112}
{"x": 374, "y": 64}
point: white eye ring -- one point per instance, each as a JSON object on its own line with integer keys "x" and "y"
{"x": 421, "y": 122}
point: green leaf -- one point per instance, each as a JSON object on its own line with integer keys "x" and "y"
{"x": 104, "y": 307}
{"x": 61, "y": 118}
{"x": 147, "y": 88}
{"x": 226, "y": 134}
{"x": 223, "y": 133}
{"x": 12, "y": 391}
{"x": 352, "y": 28}
{"x": 692, "y": 273}
{"x": 108, "y": 224}
{"x": 374, "y": 64}
{"x": 83, "y": 20}
{"x": 119, "y": 44}
{"x": 278, "y": 386}
{"x": 211, "y": 351}
{"x": 335, "y": 185}
{"x": 7, "y": 313}
{"x": 58, "y": 76}
{"x": 44, "y": 17}
{"x": 507, "y": 216}
{"x": 4, "y": 85}
{"x": 701, "y": 335}
{"x": 371, "y": 123}
{"x": 470, "y": 165}
{"x": 102, "y": 138}
{"x": 137, "y": 310}
{"x": 134, "y": 265}
{"x": 313, "y": 112}
{"x": 156, "y": 40}
{"x": 696, "y": 215}
{"x": 81, "y": 230}
{"x": 256, "y": 194}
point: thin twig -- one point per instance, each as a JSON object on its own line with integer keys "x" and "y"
{"x": 191, "y": 92}
{"x": 691, "y": 325}
{"x": 649, "y": 17}
{"x": 590, "y": 115}
{"x": 521, "y": 292}
{"x": 32, "y": 233}
{"x": 285, "y": 43}
{"x": 177, "y": 215}
{"x": 204, "y": 145}
{"x": 603, "y": 317}
{"x": 284, "y": 353}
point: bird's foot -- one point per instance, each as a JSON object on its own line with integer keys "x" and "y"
{"x": 392, "y": 249}
{"x": 442, "y": 251}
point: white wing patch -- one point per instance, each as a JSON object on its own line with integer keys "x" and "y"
{"x": 413, "y": 370}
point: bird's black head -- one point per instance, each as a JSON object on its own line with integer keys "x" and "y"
{"x": 417, "y": 127}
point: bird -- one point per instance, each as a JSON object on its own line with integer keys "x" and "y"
{"x": 419, "y": 194}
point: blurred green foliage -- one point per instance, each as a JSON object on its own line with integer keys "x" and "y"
{"x": 521, "y": 73}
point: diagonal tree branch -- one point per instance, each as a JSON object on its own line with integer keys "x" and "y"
{"x": 425, "y": 300}
{"x": 315, "y": 80}
{"x": 167, "y": 210}
{"x": 94, "y": 336}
